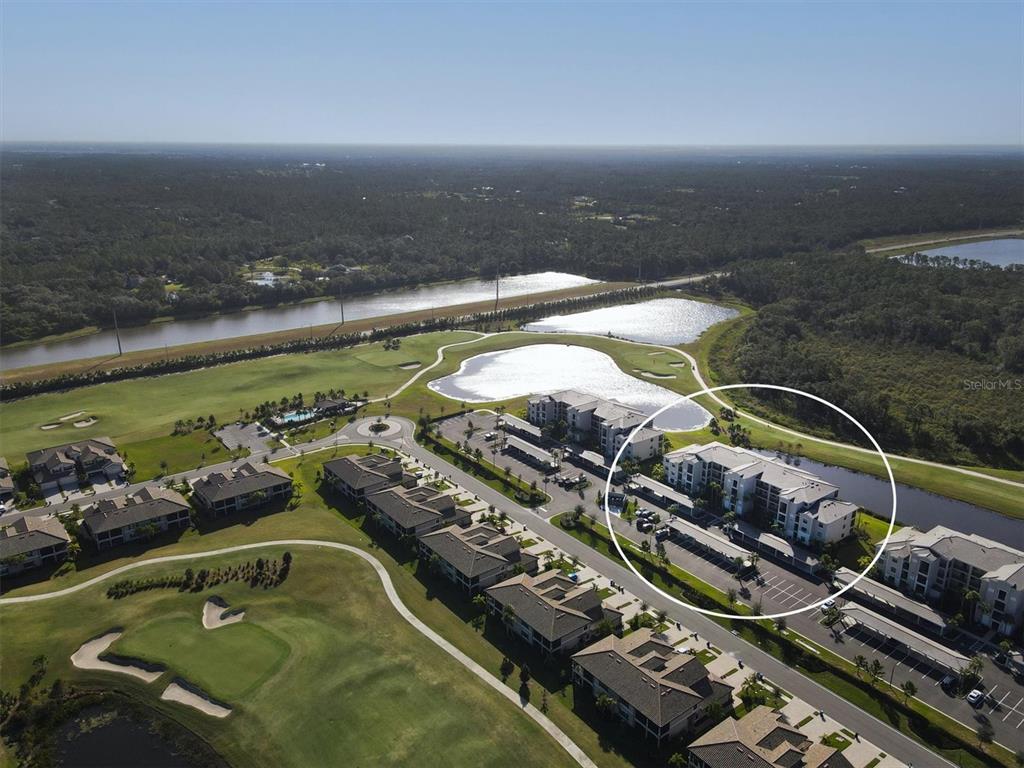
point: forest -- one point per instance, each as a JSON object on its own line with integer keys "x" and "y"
{"x": 930, "y": 358}
{"x": 182, "y": 231}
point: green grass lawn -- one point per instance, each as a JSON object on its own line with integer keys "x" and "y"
{"x": 228, "y": 663}
{"x": 360, "y": 686}
{"x": 140, "y": 409}
{"x": 180, "y": 452}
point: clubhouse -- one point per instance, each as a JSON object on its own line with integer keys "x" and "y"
{"x": 658, "y": 690}
{"x": 143, "y": 514}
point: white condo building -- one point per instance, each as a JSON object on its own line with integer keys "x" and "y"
{"x": 927, "y": 564}
{"x": 605, "y": 423}
{"x": 802, "y": 505}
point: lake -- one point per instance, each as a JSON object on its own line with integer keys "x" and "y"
{"x": 915, "y": 507}
{"x": 1001, "y": 252}
{"x": 284, "y": 318}
{"x": 545, "y": 368}
{"x": 658, "y": 321}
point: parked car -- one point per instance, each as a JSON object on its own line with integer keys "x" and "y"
{"x": 644, "y": 526}
{"x": 949, "y": 683}
{"x": 828, "y": 605}
{"x": 488, "y": 436}
{"x": 661, "y": 534}
{"x": 975, "y": 697}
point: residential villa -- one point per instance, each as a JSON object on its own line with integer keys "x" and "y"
{"x": 56, "y": 469}
{"x": 6, "y": 483}
{"x": 249, "y": 485}
{"x": 659, "y": 690}
{"x": 761, "y": 739}
{"x": 140, "y": 515}
{"x": 801, "y": 505}
{"x": 927, "y": 564}
{"x": 477, "y": 556}
{"x": 30, "y": 542}
{"x": 594, "y": 420}
{"x": 551, "y": 611}
{"x": 355, "y": 477}
{"x": 415, "y": 511}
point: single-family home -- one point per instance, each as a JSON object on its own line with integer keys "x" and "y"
{"x": 551, "y": 611}
{"x": 658, "y": 690}
{"x": 248, "y": 485}
{"x": 30, "y": 542}
{"x": 57, "y": 468}
{"x": 139, "y": 515}
{"x": 477, "y": 556}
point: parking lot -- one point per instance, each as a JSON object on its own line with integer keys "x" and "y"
{"x": 778, "y": 590}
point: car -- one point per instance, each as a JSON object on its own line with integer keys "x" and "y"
{"x": 488, "y": 436}
{"x": 828, "y": 605}
{"x": 975, "y": 697}
{"x": 645, "y": 527}
{"x": 949, "y": 682}
{"x": 661, "y": 534}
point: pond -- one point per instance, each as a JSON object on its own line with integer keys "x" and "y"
{"x": 658, "y": 321}
{"x": 1001, "y": 253}
{"x": 545, "y": 368}
{"x": 99, "y": 738}
{"x": 915, "y": 507}
{"x": 258, "y": 321}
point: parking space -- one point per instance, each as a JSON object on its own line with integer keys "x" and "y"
{"x": 1005, "y": 705}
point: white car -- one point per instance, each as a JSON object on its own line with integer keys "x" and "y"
{"x": 975, "y": 697}
{"x": 488, "y": 436}
{"x": 828, "y": 605}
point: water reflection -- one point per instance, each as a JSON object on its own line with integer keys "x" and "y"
{"x": 658, "y": 321}
{"x": 285, "y": 318}
{"x": 544, "y": 368}
{"x": 1001, "y": 252}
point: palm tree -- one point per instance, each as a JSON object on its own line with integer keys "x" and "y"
{"x": 875, "y": 670}
{"x": 860, "y": 662}
{"x": 508, "y": 617}
{"x": 909, "y": 689}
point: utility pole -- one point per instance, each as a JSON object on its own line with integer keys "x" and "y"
{"x": 117, "y": 333}
{"x": 497, "y": 281}
{"x": 341, "y": 300}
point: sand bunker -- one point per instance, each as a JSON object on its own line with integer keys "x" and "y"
{"x": 217, "y": 614}
{"x": 410, "y": 366}
{"x": 654, "y": 354}
{"x": 49, "y": 426}
{"x": 85, "y": 423}
{"x": 88, "y": 657}
{"x": 680, "y": 365}
{"x": 190, "y": 697}
{"x": 71, "y": 416}
{"x": 649, "y": 375}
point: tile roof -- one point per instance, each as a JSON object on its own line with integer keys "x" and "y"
{"x": 411, "y": 507}
{"x": 651, "y": 676}
{"x": 149, "y": 503}
{"x": 359, "y": 472}
{"x": 763, "y": 739}
{"x": 29, "y": 533}
{"x": 246, "y": 478}
{"x": 552, "y": 604}
{"x": 477, "y": 549}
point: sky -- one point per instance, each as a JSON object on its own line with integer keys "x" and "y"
{"x": 821, "y": 73}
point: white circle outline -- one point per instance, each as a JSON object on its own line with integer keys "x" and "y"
{"x": 760, "y": 616}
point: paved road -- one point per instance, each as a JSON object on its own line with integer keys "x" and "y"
{"x": 392, "y": 594}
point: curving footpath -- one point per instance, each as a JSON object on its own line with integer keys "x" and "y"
{"x": 539, "y": 717}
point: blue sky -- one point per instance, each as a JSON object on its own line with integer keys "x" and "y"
{"x": 528, "y": 73}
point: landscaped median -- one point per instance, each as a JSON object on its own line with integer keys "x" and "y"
{"x": 943, "y": 735}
